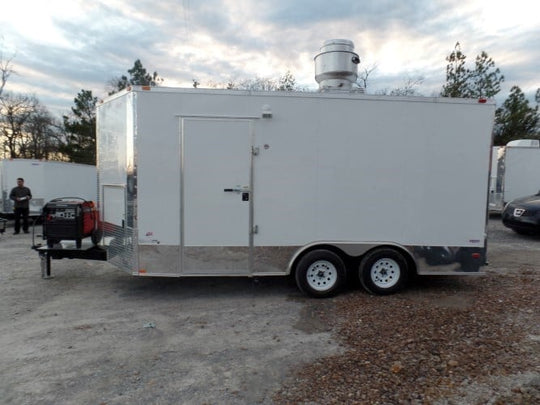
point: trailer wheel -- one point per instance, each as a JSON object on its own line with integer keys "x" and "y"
{"x": 383, "y": 271}
{"x": 320, "y": 273}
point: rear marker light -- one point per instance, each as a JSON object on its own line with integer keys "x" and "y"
{"x": 476, "y": 255}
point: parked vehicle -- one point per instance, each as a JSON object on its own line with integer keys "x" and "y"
{"x": 47, "y": 180}
{"x": 522, "y": 215}
{"x": 198, "y": 182}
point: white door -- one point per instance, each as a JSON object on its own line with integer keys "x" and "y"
{"x": 114, "y": 207}
{"x": 216, "y": 167}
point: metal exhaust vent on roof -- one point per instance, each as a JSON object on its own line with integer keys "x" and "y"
{"x": 336, "y": 65}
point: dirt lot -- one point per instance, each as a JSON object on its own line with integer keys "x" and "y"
{"x": 95, "y": 335}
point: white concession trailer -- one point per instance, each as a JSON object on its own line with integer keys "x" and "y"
{"x": 196, "y": 182}
{"x": 47, "y": 180}
{"x": 238, "y": 183}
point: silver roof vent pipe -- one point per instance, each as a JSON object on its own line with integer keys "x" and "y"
{"x": 336, "y": 65}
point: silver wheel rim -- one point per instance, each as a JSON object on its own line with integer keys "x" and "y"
{"x": 385, "y": 273}
{"x": 321, "y": 275}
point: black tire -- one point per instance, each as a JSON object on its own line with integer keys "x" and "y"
{"x": 522, "y": 231}
{"x": 383, "y": 271}
{"x": 320, "y": 273}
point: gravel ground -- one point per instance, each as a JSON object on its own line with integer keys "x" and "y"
{"x": 473, "y": 340}
{"x": 95, "y": 335}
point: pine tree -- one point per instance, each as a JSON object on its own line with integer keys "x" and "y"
{"x": 138, "y": 76}
{"x": 515, "y": 119}
{"x": 484, "y": 81}
{"x": 80, "y": 130}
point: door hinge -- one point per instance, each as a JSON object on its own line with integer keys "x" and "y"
{"x": 255, "y": 229}
{"x": 255, "y": 150}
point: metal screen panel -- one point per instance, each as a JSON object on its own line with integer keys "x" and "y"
{"x": 121, "y": 250}
{"x": 116, "y": 235}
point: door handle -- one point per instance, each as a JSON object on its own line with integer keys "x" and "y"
{"x": 237, "y": 189}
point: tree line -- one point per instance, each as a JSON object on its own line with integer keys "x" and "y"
{"x": 28, "y": 130}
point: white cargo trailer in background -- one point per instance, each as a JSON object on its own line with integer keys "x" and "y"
{"x": 517, "y": 175}
{"x": 496, "y": 179}
{"x": 47, "y": 180}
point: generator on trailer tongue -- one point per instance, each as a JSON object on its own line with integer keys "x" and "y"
{"x": 69, "y": 219}
{"x": 197, "y": 182}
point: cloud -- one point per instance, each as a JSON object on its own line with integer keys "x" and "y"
{"x": 62, "y": 47}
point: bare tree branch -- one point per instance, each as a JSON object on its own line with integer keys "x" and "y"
{"x": 5, "y": 69}
{"x": 364, "y": 75}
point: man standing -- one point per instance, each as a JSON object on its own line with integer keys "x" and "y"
{"x": 22, "y": 196}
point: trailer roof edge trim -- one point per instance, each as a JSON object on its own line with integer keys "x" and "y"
{"x": 327, "y": 94}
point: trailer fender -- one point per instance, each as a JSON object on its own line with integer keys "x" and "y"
{"x": 352, "y": 253}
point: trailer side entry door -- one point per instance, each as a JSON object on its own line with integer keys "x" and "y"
{"x": 216, "y": 195}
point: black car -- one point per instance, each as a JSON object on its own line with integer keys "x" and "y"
{"x": 523, "y": 214}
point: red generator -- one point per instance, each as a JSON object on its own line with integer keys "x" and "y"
{"x": 68, "y": 218}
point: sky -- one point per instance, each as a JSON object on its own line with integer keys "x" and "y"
{"x": 58, "y": 47}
